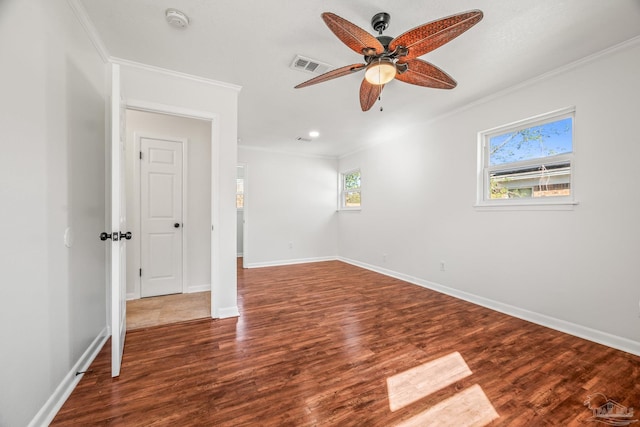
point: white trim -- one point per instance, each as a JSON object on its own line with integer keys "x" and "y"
{"x": 215, "y": 276}
{"x": 522, "y": 206}
{"x": 171, "y": 73}
{"x": 290, "y": 262}
{"x": 83, "y": 17}
{"x": 47, "y": 413}
{"x": 155, "y": 107}
{"x": 532, "y": 203}
{"x": 570, "y": 328}
{"x": 287, "y": 153}
{"x": 342, "y": 190}
{"x": 198, "y": 288}
{"x": 245, "y": 214}
{"x": 185, "y": 204}
{"x": 136, "y": 226}
{"x": 226, "y": 312}
{"x": 536, "y": 120}
{"x": 215, "y": 195}
{"x": 136, "y": 245}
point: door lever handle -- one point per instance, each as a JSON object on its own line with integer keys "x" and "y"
{"x": 176, "y": 225}
{"x": 104, "y": 236}
{"x": 126, "y": 235}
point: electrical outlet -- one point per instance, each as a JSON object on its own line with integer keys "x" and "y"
{"x": 290, "y": 245}
{"x": 441, "y": 265}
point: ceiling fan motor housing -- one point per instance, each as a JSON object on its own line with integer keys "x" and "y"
{"x": 384, "y": 41}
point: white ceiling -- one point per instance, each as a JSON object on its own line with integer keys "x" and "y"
{"x": 252, "y": 44}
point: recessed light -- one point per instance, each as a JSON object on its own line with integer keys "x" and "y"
{"x": 314, "y": 134}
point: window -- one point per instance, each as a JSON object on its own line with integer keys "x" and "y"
{"x": 527, "y": 163}
{"x": 350, "y": 194}
{"x": 239, "y": 193}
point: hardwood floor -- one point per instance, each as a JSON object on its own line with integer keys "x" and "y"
{"x": 330, "y": 344}
{"x": 167, "y": 309}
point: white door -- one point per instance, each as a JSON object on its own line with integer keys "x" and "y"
{"x": 160, "y": 217}
{"x": 118, "y": 225}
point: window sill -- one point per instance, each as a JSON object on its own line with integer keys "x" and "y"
{"x": 349, "y": 209}
{"x": 523, "y": 206}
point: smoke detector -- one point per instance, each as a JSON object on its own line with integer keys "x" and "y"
{"x": 177, "y": 19}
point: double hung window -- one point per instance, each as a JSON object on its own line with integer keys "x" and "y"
{"x": 239, "y": 193}
{"x": 350, "y": 194}
{"x": 528, "y": 162}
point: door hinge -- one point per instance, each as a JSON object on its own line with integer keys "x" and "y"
{"x": 141, "y": 155}
{"x": 140, "y": 272}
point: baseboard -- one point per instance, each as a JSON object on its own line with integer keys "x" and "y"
{"x": 570, "y": 328}
{"x": 131, "y": 296}
{"x": 239, "y": 255}
{"x": 289, "y": 262}
{"x": 225, "y": 312}
{"x": 47, "y": 413}
{"x": 199, "y": 288}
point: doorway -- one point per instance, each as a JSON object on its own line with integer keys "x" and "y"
{"x": 168, "y": 259}
{"x": 241, "y": 205}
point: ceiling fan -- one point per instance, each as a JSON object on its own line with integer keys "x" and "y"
{"x": 387, "y": 58}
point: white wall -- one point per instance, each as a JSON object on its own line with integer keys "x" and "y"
{"x": 52, "y": 168}
{"x": 289, "y": 200}
{"x": 157, "y": 88}
{"x": 197, "y": 223}
{"x": 573, "y": 269}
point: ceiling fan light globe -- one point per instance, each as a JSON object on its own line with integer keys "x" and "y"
{"x": 380, "y": 73}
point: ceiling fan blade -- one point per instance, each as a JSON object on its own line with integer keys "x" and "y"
{"x": 353, "y": 36}
{"x": 369, "y": 94}
{"x": 423, "y": 73}
{"x": 432, "y": 35}
{"x": 329, "y": 75}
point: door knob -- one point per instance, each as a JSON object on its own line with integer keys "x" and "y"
{"x": 176, "y": 225}
{"x": 104, "y": 236}
{"x": 126, "y": 235}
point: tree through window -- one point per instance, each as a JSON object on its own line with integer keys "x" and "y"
{"x": 529, "y": 160}
{"x": 351, "y": 196}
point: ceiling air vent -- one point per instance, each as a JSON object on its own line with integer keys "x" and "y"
{"x": 302, "y": 139}
{"x": 309, "y": 65}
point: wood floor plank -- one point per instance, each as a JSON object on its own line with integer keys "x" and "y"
{"x": 316, "y": 344}
{"x": 167, "y": 309}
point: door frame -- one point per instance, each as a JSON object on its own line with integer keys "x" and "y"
{"x": 245, "y": 212}
{"x": 213, "y": 118}
{"x": 136, "y": 246}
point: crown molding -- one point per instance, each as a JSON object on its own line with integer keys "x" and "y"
{"x": 171, "y": 73}
{"x": 81, "y": 14}
{"x": 291, "y": 153}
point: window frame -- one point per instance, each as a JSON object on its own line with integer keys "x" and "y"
{"x": 343, "y": 191}
{"x": 240, "y": 193}
{"x": 484, "y": 169}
